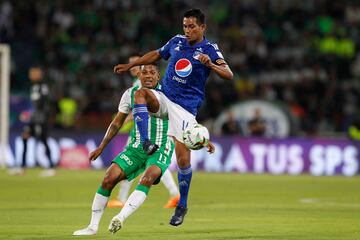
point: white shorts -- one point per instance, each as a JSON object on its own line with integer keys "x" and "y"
{"x": 179, "y": 118}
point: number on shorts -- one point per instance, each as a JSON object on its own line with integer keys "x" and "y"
{"x": 184, "y": 125}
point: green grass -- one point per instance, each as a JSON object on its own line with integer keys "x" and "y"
{"x": 222, "y": 206}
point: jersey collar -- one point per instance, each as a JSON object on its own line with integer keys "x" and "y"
{"x": 202, "y": 43}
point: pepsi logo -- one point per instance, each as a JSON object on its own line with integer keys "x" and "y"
{"x": 183, "y": 67}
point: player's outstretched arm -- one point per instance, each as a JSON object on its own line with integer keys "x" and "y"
{"x": 148, "y": 58}
{"x": 112, "y": 130}
{"x": 223, "y": 70}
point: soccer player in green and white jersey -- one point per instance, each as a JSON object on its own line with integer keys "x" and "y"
{"x": 125, "y": 185}
{"x": 133, "y": 160}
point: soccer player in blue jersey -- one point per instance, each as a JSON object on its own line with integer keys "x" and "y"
{"x": 191, "y": 59}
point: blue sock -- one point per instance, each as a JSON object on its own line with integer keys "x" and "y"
{"x": 141, "y": 117}
{"x": 184, "y": 178}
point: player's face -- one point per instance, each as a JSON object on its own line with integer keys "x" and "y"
{"x": 193, "y": 31}
{"x": 134, "y": 71}
{"x": 149, "y": 76}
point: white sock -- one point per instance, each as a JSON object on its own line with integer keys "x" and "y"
{"x": 169, "y": 183}
{"x": 98, "y": 208}
{"x": 135, "y": 200}
{"x": 124, "y": 190}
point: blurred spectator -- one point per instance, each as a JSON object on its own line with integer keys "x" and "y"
{"x": 6, "y": 21}
{"x": 311, "y": 45}
{"x": 66, "y": 116}
{"x": 231, "y": 126}
{"x": 257, "y": 125}
{"x": 354, "y": 130}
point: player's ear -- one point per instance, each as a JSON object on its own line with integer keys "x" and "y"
{"x": 158, "y": 76}
{"x": 203, "y": 26}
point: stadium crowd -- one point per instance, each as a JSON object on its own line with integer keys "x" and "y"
{"x": 300, "y": 53}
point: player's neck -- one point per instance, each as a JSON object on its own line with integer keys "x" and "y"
{"x": 192, "y": 43}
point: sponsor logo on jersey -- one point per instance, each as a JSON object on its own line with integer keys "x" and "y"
{"x": 180, "y": 80}
{"x": 183, "y": 67}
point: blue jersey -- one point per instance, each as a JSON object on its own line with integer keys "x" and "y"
{"x": 185, "y": 77}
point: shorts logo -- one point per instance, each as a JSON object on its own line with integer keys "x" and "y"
{"x": 183, "y": 67}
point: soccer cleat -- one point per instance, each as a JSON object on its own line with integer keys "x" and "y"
{"x": 178, "y": 217}
{"x": 149, "y": 147}
{"x": 16, "y": 171}
{"x": 115, "y": 204}
{"x": 172, "y": 202}
{"x": 48, "y": 173}
{"x": 85, "y": 232}
{"x": 115, "y": 224}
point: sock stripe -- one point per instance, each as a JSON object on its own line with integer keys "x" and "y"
{"x": 142, "y": 109}
{"x": 143, "y": 188}
{"x": 185, "y": 171}
{"x": 104, "y": 192}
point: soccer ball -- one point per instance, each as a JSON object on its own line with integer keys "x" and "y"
{"x": 196, "y": 137}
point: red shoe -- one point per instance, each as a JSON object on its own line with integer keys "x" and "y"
{"x": 115, "y": 204}
{"x": 172, "y": 202}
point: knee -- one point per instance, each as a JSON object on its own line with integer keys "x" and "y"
{"x": 109, "y": 182}
{"x": 141, "y": 93}
{"x": 148, "y": 180}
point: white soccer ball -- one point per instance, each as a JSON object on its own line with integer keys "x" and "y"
{"x": 196, "y": 137}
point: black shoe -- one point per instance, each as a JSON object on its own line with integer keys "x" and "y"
{"x": 178, "y": 217}
{"x": 149, "y": 147}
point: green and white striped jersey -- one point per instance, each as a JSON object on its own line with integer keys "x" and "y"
{"x": 158, "y": 127}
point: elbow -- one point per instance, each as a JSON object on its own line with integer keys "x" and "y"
{"x": 230, "y": 76}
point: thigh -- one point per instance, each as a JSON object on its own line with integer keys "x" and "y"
{"x": 179, "y": 120}
{"x": 131, "y": 161}
{"x": 153, "y": 103}
{"x": 161, "y": 158}
{"x": 115, "y": 173}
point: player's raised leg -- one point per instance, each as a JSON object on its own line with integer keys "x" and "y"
{"x": 136, "y": 199}
{"x": 144, "y": 99}
{"x": 184, "y": 179}
{"x": 113, "y": 175}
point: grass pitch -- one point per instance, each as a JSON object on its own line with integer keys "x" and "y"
{"x": 221, "y": 206}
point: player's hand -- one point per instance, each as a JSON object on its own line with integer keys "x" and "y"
{"x": 205, "y": 59}
{"x": 210, "y": 147}
{"x": 120, "y": 68}
{"x": 94, "y": 154}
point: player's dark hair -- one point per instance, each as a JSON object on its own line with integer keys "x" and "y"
{"x": 154, "y": 64}
{"x": 136, "y": 54}
{"x": 196, "y": 13}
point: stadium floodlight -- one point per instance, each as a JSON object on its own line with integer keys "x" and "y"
{"x": 4, "y": 101}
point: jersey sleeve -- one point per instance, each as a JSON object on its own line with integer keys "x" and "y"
{"x": 215, "y": 54}
{"x": 165, "y": 50}
{"x": 125, "y": 102}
